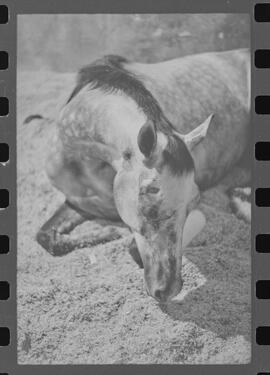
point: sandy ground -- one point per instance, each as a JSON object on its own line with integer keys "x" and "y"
{"x": 90, "y": 306}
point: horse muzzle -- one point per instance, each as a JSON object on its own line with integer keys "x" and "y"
{"x": 164, "y": 293}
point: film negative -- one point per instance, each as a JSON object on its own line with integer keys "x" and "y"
{"x": 134, "y": 187}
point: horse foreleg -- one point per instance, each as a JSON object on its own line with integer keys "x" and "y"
{"x": 64, "y": 220}
{"x": 54, "y": 234}
{"x": 237, "y": 185}
{"x": 241, "y": 203}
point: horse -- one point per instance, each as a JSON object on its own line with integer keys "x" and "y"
{"x": 138, "y": 142}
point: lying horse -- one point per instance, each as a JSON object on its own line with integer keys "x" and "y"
{"x": 138, "y": 142}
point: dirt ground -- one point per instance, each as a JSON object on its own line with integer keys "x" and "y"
{"x": 90, "y": 306}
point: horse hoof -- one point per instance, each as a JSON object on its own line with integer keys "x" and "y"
{"x": 45, "y": 240}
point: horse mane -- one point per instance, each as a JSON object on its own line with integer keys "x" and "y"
{"x": 110, "y": 75}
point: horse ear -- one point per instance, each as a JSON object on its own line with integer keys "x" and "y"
{"x": 198, "y": 134}
{"x": 147, "y": 139}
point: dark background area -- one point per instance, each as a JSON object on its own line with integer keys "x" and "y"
{"x": 63, "y": 43}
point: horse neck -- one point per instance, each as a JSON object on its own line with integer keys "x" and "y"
{"x": 171, "y": 85}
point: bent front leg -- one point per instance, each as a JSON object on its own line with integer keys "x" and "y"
{"x": 64, "y": 220}
{"x": 54, "y": 234}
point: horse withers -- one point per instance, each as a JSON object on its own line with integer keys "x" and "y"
{"x": 138, "y": 142}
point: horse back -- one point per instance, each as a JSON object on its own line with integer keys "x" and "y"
{"x": 190, "y": 87}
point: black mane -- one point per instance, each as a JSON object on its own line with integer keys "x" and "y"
{"x": 87, "y": 75}
{"x": 109, "y": 75}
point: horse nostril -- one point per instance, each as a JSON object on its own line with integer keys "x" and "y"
{"x": 152, "y": 190}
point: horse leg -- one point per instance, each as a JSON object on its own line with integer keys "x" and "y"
{"x": 54, "y": 237}
{"x": 237, "y": 186}
{"x": 54, "y": 234}
{"x": 241, "y": 203}
{"x": 71, "y": 178}
{"x": 64, "y": 220}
